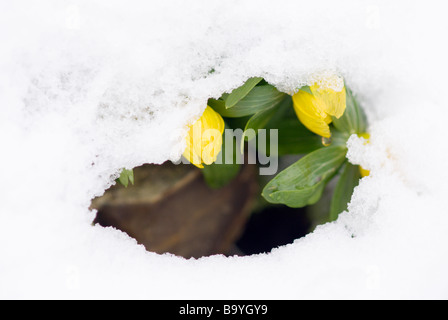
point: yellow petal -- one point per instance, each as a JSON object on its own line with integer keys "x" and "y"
{"x": 333, "y": 102}
{"x": 328, "y": 99}
{"x": 212, "y": 143}
{"x": 204, "y": 139}
{"x": 190, "y": 154}
{"x": 309, "y": 111}
{"x": 213, "y": 120}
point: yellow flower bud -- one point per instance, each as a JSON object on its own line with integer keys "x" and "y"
{"x": 204, "y": 139}
{"x": 315, "y": 110}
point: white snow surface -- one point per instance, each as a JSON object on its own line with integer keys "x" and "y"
{"x": 90, "y": 87}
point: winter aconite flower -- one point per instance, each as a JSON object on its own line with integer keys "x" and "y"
{"x": 325, "y": 99}
{"x": 204, "y": 140}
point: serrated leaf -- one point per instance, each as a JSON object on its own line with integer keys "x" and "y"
{"x": 239, "y": 93}
{"x": 258, "y": 99}
{"x": 302, "y": 183}
{"x": 126, "y": 176}
{"x": 353, "y": 120}
{"x": 348, "y": 181}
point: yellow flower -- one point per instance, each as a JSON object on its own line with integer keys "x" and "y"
{"x": 315, "y": 110}
{"x": 204, "y": 140}
{"x": 364, "y": 172}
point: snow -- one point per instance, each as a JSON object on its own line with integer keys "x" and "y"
{"x": 90, "y": 87}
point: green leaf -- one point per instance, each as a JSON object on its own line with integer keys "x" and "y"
{"x": 218, "y": 175}
{"x": 237, "y": 123}
{"x": 343, "y": 192}
{"x": 259, "y": 98}
{"x": 353, "y": 120}
{"x": 293, "y": 136}
{"x": 339, "y": 138}
{"x": 262, "y": 118}
{"x": 126, "y": 176}
{"x": 302, "y": 183}
{"x": 306, "y": 89}
{"x": 259, "y": 120}
{"x": 236, "y": 95}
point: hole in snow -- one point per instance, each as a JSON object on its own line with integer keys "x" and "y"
{"x": 170, "y": 209}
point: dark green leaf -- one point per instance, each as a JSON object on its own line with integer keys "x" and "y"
{"x": 126, "y": 176}
{"x": 259, "y": 121}
{"x": 353, "y": 120}
{"x": 293, "y": 136}
{"x": 237, "y": 123}
{"x": 302, "y": 183}
{"x": 343, "y": 192}
{"x": 236, "y": 95}
{"x": 259, "y": 98}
